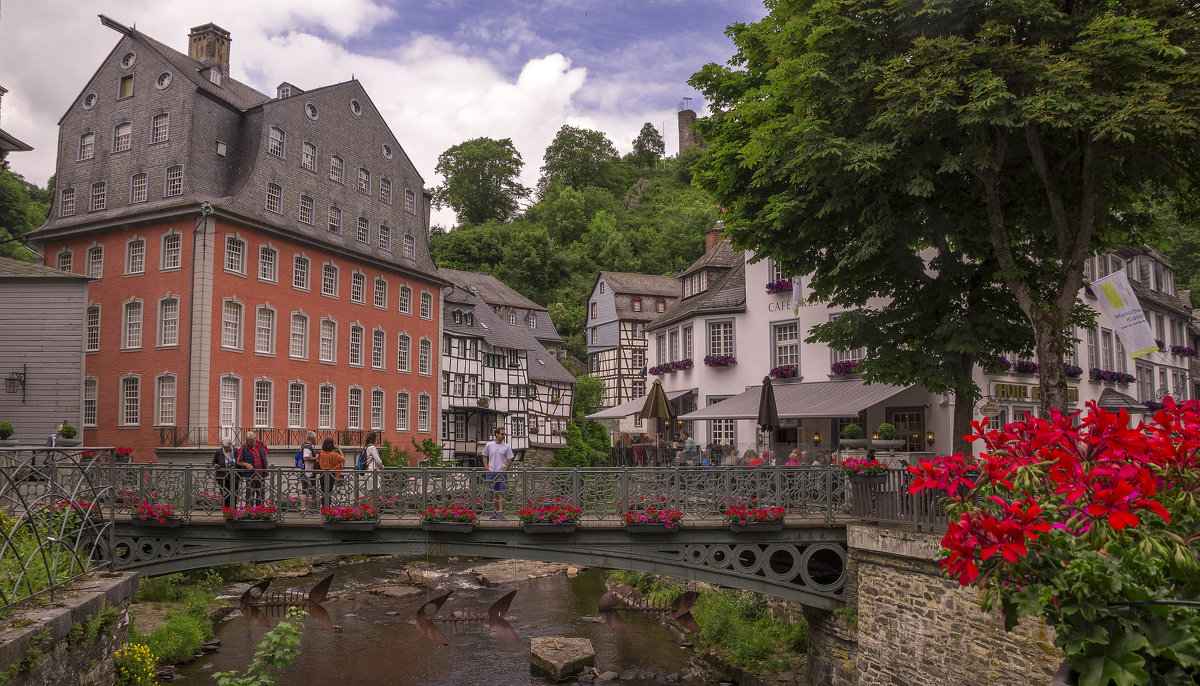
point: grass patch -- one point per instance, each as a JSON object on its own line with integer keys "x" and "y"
{"x": 181, "y": 636}
{"x": 738, "y": 621}
{"x": 656, "y": 591}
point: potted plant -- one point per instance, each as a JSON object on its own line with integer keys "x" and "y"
{"x": 885, "y": 437}
{"x": 250, "y": 517}
{"x": 150, "y": 514}
{"x": 852, "y": 437}
{"x": 552, "y": 516}
{"x": 745, "y": 518}
{"x": 67, "y": 436}
{"x": 350, "y": 518}
{"x": 866, "y": 478}
{"x": 452, "y": 519}
{"x": 6, "y": 431}
{"x": 482, "y": 401}
{"x": 651, "y": 520}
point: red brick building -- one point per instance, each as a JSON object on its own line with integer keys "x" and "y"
{"x": 261, "y": 262}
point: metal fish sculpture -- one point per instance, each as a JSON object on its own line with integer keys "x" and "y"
{"x": 680, "y": 609}
{"x": 259, "y": 605}
{"x": 462, "y": 623}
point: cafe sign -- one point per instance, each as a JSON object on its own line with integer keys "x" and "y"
{"x": 1016, "y": 391}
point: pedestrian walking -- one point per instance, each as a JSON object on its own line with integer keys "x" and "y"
{"x": 372, "y": 464}
{"x": 254, "y": 459}
{"x": 330, "y": 462}
{"x": 225, "y": 462}
{"x": 499, "y": 457}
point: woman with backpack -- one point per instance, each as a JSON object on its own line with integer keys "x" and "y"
{"x": 372, "y": 463}
{"x": 330, "y": 461}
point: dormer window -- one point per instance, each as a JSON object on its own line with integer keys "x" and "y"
{"x": 601, "y": 286}
{"x": 512, "y": 317}
{"x": 214, "y": 75}
{"x": 531, "y": 321}
{"x": 285, "y": 91}
{"x": 695, "y": 283}
{"x": 458, "y": 316}
{"x": 637, "y": 304}
{"x": 469, "y": 319}
{"x": 661, "y": 305}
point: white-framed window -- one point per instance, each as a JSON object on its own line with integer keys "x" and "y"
{"x": 688, "y": 342}
{"x": 673, "y": 344}
{"x": 268, "y": 264}
{"x": 229, "y": 402}
{"x": 354, "y": 408}
{"x": 91, "y": 395}
{"x": 855, "y": 355}
{"x": 721, "y": 431}
{"x": 786, "y": 344}
{"x": 660, "y": 347}
{"x": 66, "y": 202}
{"x": 410, "y": 246}
{"x": 308, "y": 156}
{"x": 426, "y": 305}
{"x": 131, "y": 401}
{"x": 364, "y": 230}
{"x": 403, "y": 357}
{"x": 424, "y": 357}
{"x": 401, "y": 411}
{"x": 168, "y": 322}
{"x": 160, "y": 128}
{"x": 300, "y": 273}
{"x": 377, "y": 410}
{"x": 637, "y": 359}
{"x": 122, "y": 137}
{"x": 172, "y": 250}
{"x": 424, "y": 404}
{"x": 328, "y": 341}
{"x": 335, "y": 219}
{"x": 358, "y": 288}
{"x": 405, "y": 300}
{"x": 139, "y": 188}
{"x": 95, "y": 262}
{"x": 325, "y": 407}
{"x": 93, "y": 329}
{"x": 306, "y": 209}
{"x": 64, "y": 261}
{"x": 410, "y": 201}
{"x": 356, "y": 346}
{"x": 385, "y": 237}
{"x": 235, "y": 255}
{"x": 264, "y": 331}
{"x": 164, "y": 396}
{"x": 531, "y": 320}
{"x": 131, "y": 333}
{"x": 99, "y": 196}
{"x": 377, "y": 348}
{"x": 262, "y": 402}
{"x": 275, "y": 142}
{"x": 638, "y": 389}
{"x": 1122, "y": 358}
{"x": 329, "y": 280}
{"x": 335, "y": 168}
{"x": 364, "y": 181}
{"x": 1093, "y": 349}
{"x": 174, "y": 182}
{"x": 135, "y": 256}
{"x": 512, "y": 317}
{"x": 298, "y": 337}
{"x": 274, "y": 198}
{"x": 231, "y": 325}
{"x": 1108, "y": 361}
{"x": 380, "y": 293}
{"x": 660, "y": 305}
{"x": 720, "y": 338}
{"x": 385, "y": 190}
{"x": 296, "y": 392}
{"x": 87, "y": 146}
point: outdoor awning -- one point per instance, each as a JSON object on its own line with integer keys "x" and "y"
{"x": 816, "y": 399}
{"x": 631, "y": 407}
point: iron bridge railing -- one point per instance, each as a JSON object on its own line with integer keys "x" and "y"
{"x": 196, "y": 436}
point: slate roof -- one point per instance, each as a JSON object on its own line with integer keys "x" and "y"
{"x": 496, "y": 293}
{"x": 16, "y": 269}
{"x": 642, "y": 284}
{"x": 726, "y": 292}
{"x": 232, "y": 91}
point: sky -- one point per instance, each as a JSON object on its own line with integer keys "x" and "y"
{"x": 441, "y": 71}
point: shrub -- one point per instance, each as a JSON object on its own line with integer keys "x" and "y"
{"x": 852, "y": 431}
{"x": 886, "y": 432}
{"x": 6, "y": 430}
{"x": 68, "y": 432}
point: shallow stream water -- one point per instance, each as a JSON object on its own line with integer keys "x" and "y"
{"x": 376, "y": 647}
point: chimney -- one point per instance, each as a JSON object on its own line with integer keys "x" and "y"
{"x": 713, "y": 236}
{"x": 209, "y": 44}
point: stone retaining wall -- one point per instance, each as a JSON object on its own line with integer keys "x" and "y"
{"x": 37, "y": 647}
{"x": 905, "y": 623}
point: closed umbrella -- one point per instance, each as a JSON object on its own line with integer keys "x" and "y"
{"x": 768, "y": 413}
{"x": 657, "y": 406}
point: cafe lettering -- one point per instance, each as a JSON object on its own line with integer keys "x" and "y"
{"x": 1015, "y": 391}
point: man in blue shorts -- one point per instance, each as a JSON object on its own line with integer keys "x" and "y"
{"x": 498, "y": 457}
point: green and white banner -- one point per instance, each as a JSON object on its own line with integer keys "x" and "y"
{"x": 1118, "y": 301}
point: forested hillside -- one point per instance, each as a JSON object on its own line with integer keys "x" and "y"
{"x": 23, "y": 208}
{"x": 594, "y": 211}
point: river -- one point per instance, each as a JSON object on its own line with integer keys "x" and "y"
{"x": 380, "y": 643}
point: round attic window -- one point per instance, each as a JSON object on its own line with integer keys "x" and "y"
{"x": 355, "y": 107}
{"x": 89, "y": 101}
{"x": 387, "y": 151}
{"x": 163, "y": 80}
{"x": 311, "y": 110}
{"x": 127, "y": 60}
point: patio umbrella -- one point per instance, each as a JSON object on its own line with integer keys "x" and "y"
{"x": 768, "y": 413}
{"x": 657, "y": 406}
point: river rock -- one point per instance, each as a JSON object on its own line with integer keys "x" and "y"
{"x": 507, "y": 572}
{"x": 558, "y": 657}
{"x": 396, "y": 591}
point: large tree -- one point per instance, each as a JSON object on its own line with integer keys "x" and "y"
{"x": 481, "y": 180}
{"x": 23, "y": 208}
{"x": 1034, "y": 124}
{"x": 582, "y": 157}
{"x": 648, "y": 147}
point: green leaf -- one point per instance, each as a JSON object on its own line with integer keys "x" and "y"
{"x": 1114, "y": 662}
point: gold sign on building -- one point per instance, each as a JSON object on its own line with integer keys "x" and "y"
{"x": 1016, "y": 391}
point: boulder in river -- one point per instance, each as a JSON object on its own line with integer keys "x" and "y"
{"x": 558, "y": 657}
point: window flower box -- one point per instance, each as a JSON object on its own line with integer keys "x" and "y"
{"x": 652, "y": 520}
{"x": 780, "y": 286}
{"x": 453, "y": 519}
{"x": 1184, "y": 350}
{"x": 785, "y": 371}
{"x": 350, "y": 518}
{"x": 844, "y": 368}
{"x": 552, "y": 516}
{"x": 744, "y": 519}
{"x": 1026, "y": 367}
{"x": 250, "y": 517}
{"x": 1001, "y": 365}
{"x": 1072, "y": 371}
{"x": 719, "y": 360}
{"x": 482, "y": 401}
{"x": 1108, "y": 376}
{"x": 150, "y": 514}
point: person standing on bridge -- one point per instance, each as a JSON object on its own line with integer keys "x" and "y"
{"x": 254, "y": 459}
{"x": 225, "y": 461}
{"x": 372, "y": 464}
{"x": 499, "y": 457}
{"x": 329, "y": 462}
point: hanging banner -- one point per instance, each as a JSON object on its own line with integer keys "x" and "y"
{"x": 797, "y": 298}
{"x": 1117, "y": 300}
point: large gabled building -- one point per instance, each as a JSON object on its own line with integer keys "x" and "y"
{"x": 259, "y": 261}
{"x": 619, "y": 308}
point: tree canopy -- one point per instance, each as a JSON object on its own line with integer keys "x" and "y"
{"x": 579, "y": 157}
{"x": 23, "y": 208}
{"x": 1015, "y": 136}
{"x": 648, "y": 147}
{"x": 481, "y": 180}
